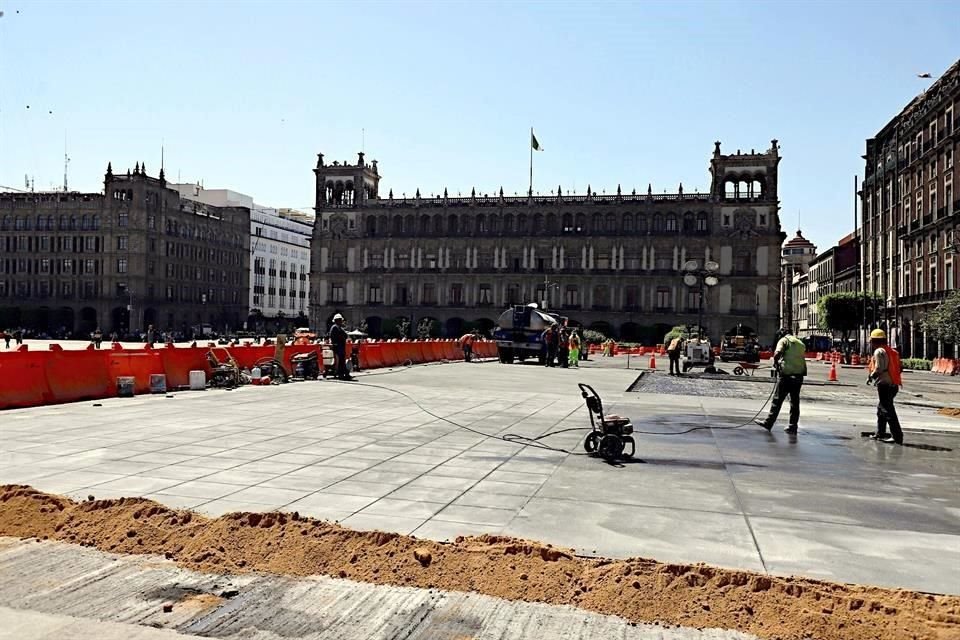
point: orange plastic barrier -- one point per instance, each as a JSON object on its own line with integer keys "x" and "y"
{"x": 79, "y": 375}
{"x": 452, "y": 350}
{"x": 178, "y": 363}
{"x": 138, "y": 363}
{"x": 24, "y": 379}
{"x": 390, "y": 354}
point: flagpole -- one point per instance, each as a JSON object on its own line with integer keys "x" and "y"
{"x": 531, "y": 162}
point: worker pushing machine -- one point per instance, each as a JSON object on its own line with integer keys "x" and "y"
{"x": 885, "y": 371}
{"x": 789, "y": 361}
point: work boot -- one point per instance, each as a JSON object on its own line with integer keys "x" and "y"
{"x": 791, "y": 428}
{"x": 764, "y": 424}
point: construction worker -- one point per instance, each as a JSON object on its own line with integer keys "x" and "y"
{"x": 338, "y": 340}
{"x": 550, "y": 337}
{"x": 885, "y": 374}
{"x": 466, "y": 343}
{"x": 789, "y": 361}
{"x": 574, "y": 349}
{"x": 673, "y": 352}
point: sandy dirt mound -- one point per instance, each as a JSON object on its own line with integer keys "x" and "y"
{"x": 949, "y": 411}
{"x": 637, "y": 589}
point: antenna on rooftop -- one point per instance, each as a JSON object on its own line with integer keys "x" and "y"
{"x": 66, "y": 162}
{"x": 363, "y": 140}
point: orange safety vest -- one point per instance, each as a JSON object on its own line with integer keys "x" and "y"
{"x": 893, "y": 364}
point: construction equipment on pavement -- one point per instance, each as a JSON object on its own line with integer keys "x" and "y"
{"x": 609, "y": 434}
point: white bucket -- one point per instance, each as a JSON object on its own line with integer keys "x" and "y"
{"x": 198, "y": 380}
{"x": 256, "y": 373}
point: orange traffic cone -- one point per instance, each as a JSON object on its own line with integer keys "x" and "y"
{"x": 833, "y": 373}
{"x": 653, "y": 361}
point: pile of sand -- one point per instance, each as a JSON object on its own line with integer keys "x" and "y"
{"x": 949, "y": 411}
{"x": 638, "y": 590}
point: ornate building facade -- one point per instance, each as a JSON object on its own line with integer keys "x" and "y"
{"x": 133, "y": 256}
{"x": 610, "y": 262}
{"x": 911, "y": 215}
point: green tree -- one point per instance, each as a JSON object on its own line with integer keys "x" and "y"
{"x": 845, "y": 311}
{"x": 944, "y": 321}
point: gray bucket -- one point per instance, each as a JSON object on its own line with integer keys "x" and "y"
{"x": 125, "y": 386}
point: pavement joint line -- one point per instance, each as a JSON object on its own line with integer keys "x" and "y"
{"x": 435, "y": 420}
{"x": 215, "y": 471}
{"x": 736, "y": 493}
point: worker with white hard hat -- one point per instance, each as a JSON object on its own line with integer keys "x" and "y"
{"x": 338, "y": 340}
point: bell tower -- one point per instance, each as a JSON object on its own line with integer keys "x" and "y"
{"x": 344, "y": 185}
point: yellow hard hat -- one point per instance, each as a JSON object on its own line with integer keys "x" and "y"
{"x": 878, "y": 334}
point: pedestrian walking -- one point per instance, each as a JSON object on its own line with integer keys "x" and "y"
{"x": 338, "y": 340}
{"x": 6, "y": 338}
{"x": 574, "y": 349}
{"x": 792, "y": 367}
{"x": 673, "y": 353}
{"x": 885, "y": 372}
{"x": 18, "y": 336}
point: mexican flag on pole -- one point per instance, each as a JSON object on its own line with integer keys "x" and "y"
{"x": 534, "y": 143}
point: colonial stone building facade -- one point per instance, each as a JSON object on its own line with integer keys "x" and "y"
{"x": 611, "y": 262}
{"x": 911, "y": 212}
{"x": 135, "y": 255}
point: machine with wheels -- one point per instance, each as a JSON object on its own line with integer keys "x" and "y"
{"x": 610, "y": 435}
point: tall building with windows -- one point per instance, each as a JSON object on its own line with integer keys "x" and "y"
{"x": 911, "y": 215}
{"x": 133, "y": 256}
{"x": 608, "y": 261}
{"x": 279, "y": 255}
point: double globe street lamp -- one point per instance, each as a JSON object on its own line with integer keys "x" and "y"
{"x": 694, "y": 276}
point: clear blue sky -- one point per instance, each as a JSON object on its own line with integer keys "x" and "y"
{"x": 244, "y": 94}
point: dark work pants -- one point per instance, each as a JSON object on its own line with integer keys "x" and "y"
{"x": 887, "y": 413}
{"x": 786, "y": 385}
{"x": 467, "y": 352}
{"x": 674, "y": 362}
{"x": 563, "y": 356}
{"x": 551, "y": 355}
{"x": 340, "y": 353}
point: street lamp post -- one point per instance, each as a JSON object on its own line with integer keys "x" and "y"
{"x": 702, "y": 279}
{"x": 547, "y": 286}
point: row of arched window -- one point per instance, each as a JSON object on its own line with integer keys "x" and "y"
{"x": 50, "y": 223}
{"x": 536, "y": 224}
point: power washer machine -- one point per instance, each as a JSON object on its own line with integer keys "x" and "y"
{"x": 609, "y": 434}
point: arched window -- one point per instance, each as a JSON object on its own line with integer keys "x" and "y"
{"x": 494, "y": 224}
{"x": 580, "y": 225}
{"x": 611, "y": 223}
{"x": 643, "y": 226}
{"x": 424, "y": 224}
{"x": 567, "y": 223}
{"x": 409, "y": 225}
{"x": 628, "y": 226}
{"x": 397, "y": 225}
{"x": 481, "y": 225}
{"x": 438, "y": 225}
{"x": 658, "y": 223}
{"x": 73, "y": 222}
{"x": 371, "y": 226}
{"x": 452, "y": 225}
{"x": 689, "y": 223}
{"x": 508, "y": 223}
{"x": 596, "y": 223}
{"x": 552, "y": 223}
{"x": 672, "y": 223}
{"x": 702, "y": 221}
{"x": 522, "y": 223}
{"x": 537, "y": 224}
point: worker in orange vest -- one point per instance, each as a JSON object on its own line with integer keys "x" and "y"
{"x": 885, "y": 374}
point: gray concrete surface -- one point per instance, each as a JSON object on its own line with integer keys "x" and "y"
{"x": 63, "y": 592}
{"x": 825, "y": 504}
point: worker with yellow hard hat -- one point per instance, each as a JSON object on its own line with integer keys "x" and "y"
{"x": 885, "y": 374}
